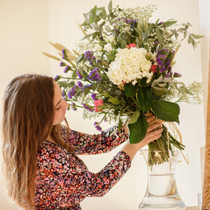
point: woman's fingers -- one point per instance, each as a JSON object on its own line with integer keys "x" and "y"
{"x": 149, "y": 119}
{"x": 153, "y": 126}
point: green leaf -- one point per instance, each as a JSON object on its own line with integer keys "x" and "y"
{"x": 190, "y": 39}
{"x": 197, "y": 36}
{"x": 158, "y": 91}
{"x": 119, "y": 124}
{"x": 166, "y": 111}
{"x": 145, "y": 98}
{"x": 169, "y": 23}
{"x": 134, "y": 117}
{"x": 110, "y": 7}
{"x": 79, "y": 58}
{"x": 114, "y": 100}
{"x": 130, "y": 90}
{"x": 159, "y": 33}
{"x": 123, "y": 44}
{"x": 93, "y": 15}
{"x": 138, "y": 130}
{"x": 149, "y": 29}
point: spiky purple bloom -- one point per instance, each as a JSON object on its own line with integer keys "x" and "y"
{"x": 87, "y": 86}
{"x": 80, "y": 85}
{"x": 67, "y": 68}
{"x": 79, "y": 75}
{"x": 94, "y": 75}
{"x": 73, "y": 106}
{"x": 168, "y": 75}
{"x": 177, "y": 74}
{"x": 160, "y": 23}
{"x": 162, "y": 70}
{"x": 62, "y": 64}
{"x": 71, "y": 93}
{"x": 88, "y": 54}
{"x": 63, "y": 53}
{"x": 160, "y": 62}
{"x": 57, "y": 77}
{"x": 93, "y": 95}
{"x": 87, "y": 107}
{"x": 96, "y": 124}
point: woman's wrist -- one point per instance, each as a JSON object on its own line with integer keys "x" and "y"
{"x": 130, "y": 150}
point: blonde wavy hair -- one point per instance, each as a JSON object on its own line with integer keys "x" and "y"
{"x": 28, "y": 113}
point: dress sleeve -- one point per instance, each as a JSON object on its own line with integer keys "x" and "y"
{"x": 94, "y": 144}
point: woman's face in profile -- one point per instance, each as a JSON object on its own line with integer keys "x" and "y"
{"x": 60, "y": 105}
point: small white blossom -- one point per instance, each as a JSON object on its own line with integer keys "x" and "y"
{"x": 110, "y": 38}
{"x": 98, "y": 48}
{"x": 108, "y": 47}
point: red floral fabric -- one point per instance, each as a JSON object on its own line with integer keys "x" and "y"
{"x": 63, "y": 180}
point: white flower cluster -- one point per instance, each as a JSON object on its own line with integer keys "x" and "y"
{"x": 142, "y": 14}
{"x": 129, "y": 65}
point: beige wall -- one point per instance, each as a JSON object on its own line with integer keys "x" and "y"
{"x": 23, "y": 36}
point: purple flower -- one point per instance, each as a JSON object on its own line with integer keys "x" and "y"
{"x": 73, "y": 106}
{"x": 57, "y": 77}
{"x": 80, "y": 85}
{"x": 87, "y": 86}
{"x": 160, "y": 62}
{"x": 94, "y": 75}
{"x": 79, "y": 75}
{"x": 63, "y": 93}
{"x": 87, "y": 107}
{"x": 88, "y": 54}
{"x": 93, "y": 95}
{"x": 71, "y": 93}
{"x": 96, "y": 124}
{"x": 62, "y": 64}
{"x": 160, "y": 23}
{"x": 162, "y": 70}
{"x": 177, "y": 74}
{"x": 63, "y": 53}
{"x": 67, "y": 68}
{"x": 168, "y": 75}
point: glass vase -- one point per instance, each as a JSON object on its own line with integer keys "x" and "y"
{"x": 161, "y": 191}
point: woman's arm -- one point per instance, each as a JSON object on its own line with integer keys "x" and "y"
{"x": 97, "y": 143}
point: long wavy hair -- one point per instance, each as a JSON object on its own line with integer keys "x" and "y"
{"x": 28, "y": 113}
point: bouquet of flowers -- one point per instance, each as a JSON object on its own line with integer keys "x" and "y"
{"x": 122, "y": 70}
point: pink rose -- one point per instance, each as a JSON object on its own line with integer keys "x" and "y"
{"x": 132, "y": 45}
{"x": 97, "y": 103}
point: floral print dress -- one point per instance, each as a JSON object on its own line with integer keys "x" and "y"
{"x": 63, "y": 180}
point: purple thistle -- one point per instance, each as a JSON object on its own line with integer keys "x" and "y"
{"x": 87, "y": 107}
{"x": 80, "y": 85}
{"x": 177, "y": 74}
{"x": 162, "y": 70}
{"x": 88, "y": 54}
{"x": 93, "y": 95}
{"x": 64, "y": 53}
{"x": 87, "y": 86}
{"x": 79, "y": 75}
{"x": 67, "y": 68}
{"x": 62, "y": 64}
{"x": 159, "y": 61}
{"x": 73, "y": 106}
{"x": 57, "y": 77}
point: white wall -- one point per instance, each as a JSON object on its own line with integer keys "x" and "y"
{"x": 26, "y": 28}
{"x": 128, "y": 193}
{"x": 23, "y": 37}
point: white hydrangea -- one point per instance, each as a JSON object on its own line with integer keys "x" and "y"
{"x": 129, "y": 65}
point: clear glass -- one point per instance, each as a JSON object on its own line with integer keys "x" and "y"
{"x": 161, "y": 191}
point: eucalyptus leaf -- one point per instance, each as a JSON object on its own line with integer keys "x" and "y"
{"x": 197, "y": 36}
{"x": 138, "y": 130}
{"x": 190, "y": 39}
{"x": 114, "y": 100}
{"x": 159, "y": 34}
{"x": 93, "y": 15}
{"x": 119, "y": 125}
{"x": 158, "y": 91}
{"x": 123, "y": 44}
{"x": 79, "y": 58}
{"x": 166, "y": 111}
{"x": 134, "y": 117}
{"x": 169, "y": 23}
{"x": 110, "y": 7}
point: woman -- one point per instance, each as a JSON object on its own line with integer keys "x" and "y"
{"x": 41, "y": 167}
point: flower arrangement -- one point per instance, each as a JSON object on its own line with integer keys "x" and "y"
{"x": 122, "y": 70}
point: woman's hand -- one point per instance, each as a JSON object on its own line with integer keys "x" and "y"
{"x": 152, "y": 134}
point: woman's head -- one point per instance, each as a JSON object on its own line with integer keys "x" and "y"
{"x": 33, "y": 108}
